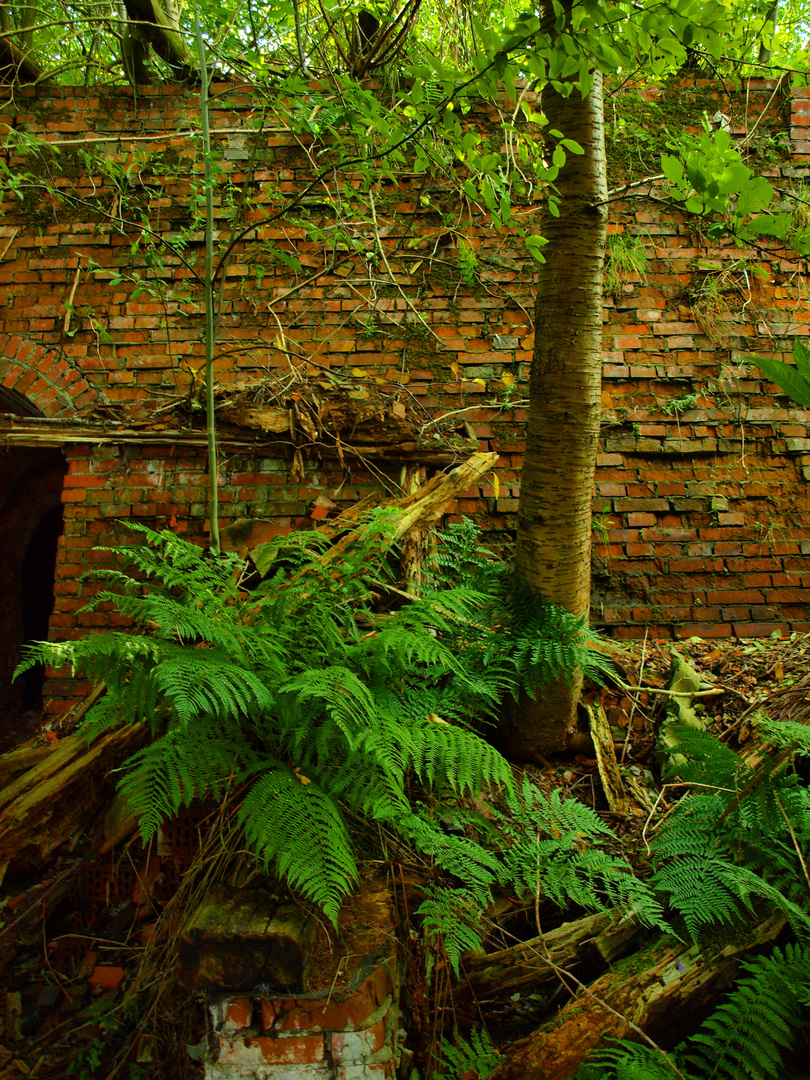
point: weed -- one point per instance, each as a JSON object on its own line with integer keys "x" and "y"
{"x": 679, "y": 405}
{"x": 625, "y": 258}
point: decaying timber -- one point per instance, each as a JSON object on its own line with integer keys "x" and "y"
{"x": 655, "y": 991}
{"x": 59, "y": 791}
{"x": 606, "y": 762}
{"x": 334, "y": 432}
{"x": 594, "y": 940}
{"x": 418, "y": 511}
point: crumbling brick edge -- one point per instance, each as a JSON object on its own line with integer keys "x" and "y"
{"x": 351, "y": 1034}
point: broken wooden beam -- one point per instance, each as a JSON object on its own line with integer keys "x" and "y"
{"x": 419, "y": 510}
{"x": 61, "y": 792}
{"x": 593, "y": 940}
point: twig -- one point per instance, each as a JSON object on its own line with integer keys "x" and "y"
{"x": 793, "y": 838}
{"x": 714, "y": 692}
{"x": 69, "y": 301}
{"x": 635, "y": 700}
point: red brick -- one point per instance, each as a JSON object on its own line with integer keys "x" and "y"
{"x": 351, "y": 1013}
{"x": 239, "y": 1012}
{"x": 289, "y": 1049}
{"x": 705, "y": 630}
{"x": 759, "y": 629}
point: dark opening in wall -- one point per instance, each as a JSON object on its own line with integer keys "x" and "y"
{"x": 31, "y": 523}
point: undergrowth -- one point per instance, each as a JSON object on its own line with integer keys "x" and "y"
{"x": 315, "y": 703}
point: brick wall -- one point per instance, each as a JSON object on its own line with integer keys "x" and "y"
{"x": 700, "y": 494}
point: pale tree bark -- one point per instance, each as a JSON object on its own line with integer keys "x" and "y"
{"x": 554, "y": 518}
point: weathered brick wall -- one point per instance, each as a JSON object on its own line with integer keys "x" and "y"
{"x": 701, "y": 511}
{"x": 701, "y": 483}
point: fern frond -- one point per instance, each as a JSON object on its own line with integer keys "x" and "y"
{"x": 790, "y": 734}
{"x": 464, "y": 1057}
{"x": 335, "y": 692}
{"x": 552, "y": 845}
{"x": 630, "y": 1061}
{"x": 299, "y": 827}
{"x": 747, "y": 1036}
{"x": 199, "y": 682}
{"x": 698, "y": 757}
{"x": 175, "y": 769}
{"x": 441, "y": 752}
{"x": 457, "y": 916}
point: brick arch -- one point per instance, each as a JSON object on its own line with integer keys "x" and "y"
{"x": 44, "y": 376}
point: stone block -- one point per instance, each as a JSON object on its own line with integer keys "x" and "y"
{"x": 242, "y": 938}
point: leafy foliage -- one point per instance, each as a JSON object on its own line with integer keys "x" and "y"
{"x": 795, "y": 381}
{"x": 302, "y": 694}
{"x": 724, "y": 849}
{"x": 556, "y": 846}
{"x": 744, "y": 1039}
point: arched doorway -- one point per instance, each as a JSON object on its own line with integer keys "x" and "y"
{"x": 31, "y": 480}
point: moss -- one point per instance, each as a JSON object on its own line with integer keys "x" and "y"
{"x": 637, "y": 131}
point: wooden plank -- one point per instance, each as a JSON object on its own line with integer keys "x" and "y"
{"x": 606, "y": 762}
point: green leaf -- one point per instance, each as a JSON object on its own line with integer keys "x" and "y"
{"x": 672, "y": 168}
{"x": 534, "y": 244}
{"x": 754, "y": 196}
{"x": 801, "y": 357}
{"x": 777, "y": 225}
{"x": 787, "y": 378}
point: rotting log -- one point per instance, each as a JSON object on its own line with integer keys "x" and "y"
{"x": 59, "y": 432}
{"x": 60, "y": 793}
{"x": 415, "y": 548}
{"x": 592, "y": 942}
{"x": 653, "y": 990}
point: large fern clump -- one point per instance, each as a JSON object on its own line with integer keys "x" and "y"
{"x": 304, "y": 695}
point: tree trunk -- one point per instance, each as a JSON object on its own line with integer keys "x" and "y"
{"x": 554, "y": 517}
{"x": 158, "y": 25}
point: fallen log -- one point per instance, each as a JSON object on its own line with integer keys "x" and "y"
{"x": 606, "y": 762}
{"x": 592, "y": 942}
{"x": 653, "y": 990}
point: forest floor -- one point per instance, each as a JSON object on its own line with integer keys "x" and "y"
{"x": 75, "y": 922}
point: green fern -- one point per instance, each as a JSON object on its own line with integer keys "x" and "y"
{"x": 723, "y": 851}
{"x": 554, "y": 846}
{"x": 302, "y": 694}
{"x": 289, "y": 819}
{"x": 467, "y": 1057}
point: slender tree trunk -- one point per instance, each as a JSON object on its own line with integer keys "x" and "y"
{"x": 770, "y": 26}
{"x": 554, "y": 517}
{"x": 210, "y": 317}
